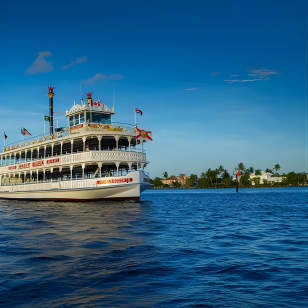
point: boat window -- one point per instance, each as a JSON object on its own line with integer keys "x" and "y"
{"x": 71, "y": 121}
{"x": 101, "y": 118}
{"x": 88, "y": 119}
{"x": 81, "y": 118}
{"x": 76, "y": 119}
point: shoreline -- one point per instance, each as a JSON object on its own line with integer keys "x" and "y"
{"x": 224, "y": 187}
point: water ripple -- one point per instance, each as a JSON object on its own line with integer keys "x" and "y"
{"x": 179, "y": 248}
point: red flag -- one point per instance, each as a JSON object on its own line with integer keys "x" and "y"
{"x": 139, "y": 111}
{"x": 238, "y": 173}
{"x": 25, "y": 132}
{"x": 5, "y": 136}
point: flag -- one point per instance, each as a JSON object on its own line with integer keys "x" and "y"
{"x": 5, "y": 136}
{"x": 144, "y": 134}
{"x": 98, "y": 103}
{"x": 46, "y": 118}
{"x": 25, "y": 132}
{"x": 139, "y": 111}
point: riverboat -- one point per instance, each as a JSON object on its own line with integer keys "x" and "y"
{"x": 91, "y": 159}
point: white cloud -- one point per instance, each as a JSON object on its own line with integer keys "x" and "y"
{"x": 191, "y": 89}
{"x": 261, "y": 73}
{"x": 40, "y": 64}
{"x": 99, "y": 76}
{"x": 242, "y": 80}
{"x": 78, "y": 60}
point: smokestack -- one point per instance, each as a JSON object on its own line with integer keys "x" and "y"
{"x": 51, "y": 95}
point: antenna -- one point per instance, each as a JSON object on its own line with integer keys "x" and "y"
{"x": 113, "y": 99}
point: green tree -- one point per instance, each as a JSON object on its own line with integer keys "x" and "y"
{"x": 241, "y": 167}
{"x": 157, "y": 182}
{"x": 277, "y": 167}
{"x": 245, "y": 178}
{"x": 226, "y": 178}
{"x": 211, "y": 175}
{"x": 251, "y": 170}
{"x": 258, "y": 172}
{"x": 176, "y": 184}
{"x": 268, "y": 170}
{"x": 165, "y": 175}
{"x": 192, "y": 180}
{"x": 203, "y": 180}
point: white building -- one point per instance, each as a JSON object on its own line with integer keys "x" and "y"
{"x": 265, "y": 177}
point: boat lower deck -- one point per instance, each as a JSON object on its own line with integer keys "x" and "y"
{"x": 126, "y": 187}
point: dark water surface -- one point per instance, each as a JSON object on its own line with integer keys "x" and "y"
{"x": 183, "y": 248}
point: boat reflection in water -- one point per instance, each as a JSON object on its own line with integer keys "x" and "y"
{"x": 76, "y": 253}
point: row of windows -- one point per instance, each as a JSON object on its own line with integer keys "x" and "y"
{"x": 92, "y": 117}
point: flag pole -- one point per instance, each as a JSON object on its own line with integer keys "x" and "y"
{"x": 44, "y": 125}
{"x": 135, "y": 117}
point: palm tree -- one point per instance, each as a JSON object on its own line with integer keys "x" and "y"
{"x": 277, "y": 168}
{"x": 241, "y": 167}
{"x": 251, "y": 170}
{"x": 258, "y": 172}
{"x": 165, "y": 175}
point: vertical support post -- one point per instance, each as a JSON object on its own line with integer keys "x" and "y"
{"x": 84, "y": 139}
{"x": 44, "y": 178}
{"x": 129, "y": 138}
{"x": 117, "y": 141}
{"x": 72, "y": 143}
{"x": 61, "y": 148}
{"x": 71, "y": 168}
{"x": 100, "y": 142}
{"x": 238, "y": 174}
{"x": 51, "y": 174}
{"x": 100, "y": 169}
{"x": 117, "y": 165}
{"x": 83, "y": 167}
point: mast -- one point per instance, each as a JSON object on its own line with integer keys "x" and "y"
{"x": 50, "y": 95}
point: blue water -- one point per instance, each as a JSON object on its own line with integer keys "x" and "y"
{"x": 181, "y": 248}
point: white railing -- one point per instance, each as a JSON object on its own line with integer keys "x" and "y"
{"x": 77, "y": 158}
{"x": 86, "y": 183}
{"x": 69, "y": 132}
{"x": 103, "y": 156}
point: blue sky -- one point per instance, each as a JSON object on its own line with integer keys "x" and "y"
{"x": 219, "y": 82}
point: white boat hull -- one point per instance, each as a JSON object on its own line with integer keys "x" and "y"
{"x": 126, "y": 187}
